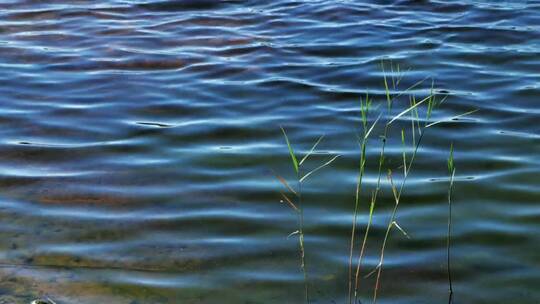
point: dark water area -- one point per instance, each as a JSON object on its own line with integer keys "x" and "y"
{"x": 138, "y": 141}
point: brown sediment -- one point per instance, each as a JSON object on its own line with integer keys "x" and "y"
{"x": 82, "y": 199}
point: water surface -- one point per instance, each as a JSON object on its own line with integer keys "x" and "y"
{"x": 138, "y": 141}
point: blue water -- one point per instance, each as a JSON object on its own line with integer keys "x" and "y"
{"x": 139, "y": 141}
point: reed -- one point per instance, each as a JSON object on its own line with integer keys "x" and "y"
{"x": 369, "y": 125}
{"x": 370, "y": 218}
{"x": 298, "y": 167}
{"x": 451, "y": 172}
{"x": 389, "y": 98}
{"x": 364, "y": 111}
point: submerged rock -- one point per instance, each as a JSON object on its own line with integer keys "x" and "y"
{"x": 43, "y": 301}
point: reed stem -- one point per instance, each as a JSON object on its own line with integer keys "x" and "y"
{"x": 301, "y": 236}
{"x": 364, "y": 110}
{"x": 397, "y": 197}
{"x": 452, "y": 171}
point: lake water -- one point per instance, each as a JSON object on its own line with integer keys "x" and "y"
{"x": 138, "y": 142}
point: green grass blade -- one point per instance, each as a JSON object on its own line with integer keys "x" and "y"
{"x": 291, "y": 151}
{"x": 404, "y": 152}
{"x": 364, "y": 110}
{"x": 451, "y": 159}
{"x": 431, "y": 101}
{"x": 411, "y": 87}
{"x": 372, "y": 127}
{"x": 408, "y": 109}
{"x": 451, "y": 118}
{"x": 312, "y": 150}
{"x": 319, "y": 167}
{"x": 386, "y": 89}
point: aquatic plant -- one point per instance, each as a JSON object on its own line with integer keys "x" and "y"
{"x": 451, "y": 172}
{"x": 418, "y": 128}
{"x": 298, "y": 207}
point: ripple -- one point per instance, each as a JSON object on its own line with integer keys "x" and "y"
{"x": 141, "y": 140}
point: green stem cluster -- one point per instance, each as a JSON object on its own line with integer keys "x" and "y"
{"x": 419, "y": 126}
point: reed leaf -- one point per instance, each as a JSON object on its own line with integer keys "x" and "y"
{"x": 284, "y": 182}
{"x": 291, "y": 151}
{"x": 311, "y": 151}
{"x": 289, "y": 202}
{"x": 451, "y": 118}
{"x": 319, "y": 167}
{"x": 407, "y": 110}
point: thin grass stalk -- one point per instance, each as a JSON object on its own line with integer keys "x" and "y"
{"x": 386, "y": 89}
{"x": 370, "y": 219}
{"x": 413, "y": 108}
{"x": 376, "y": 192}
{"x": 390, "y": 224}
{"x": 301, "y": 237}
{"x": 451, "y": 171}
{"x": 297, "y": 169}
{"x": 300, "y": 177}
{"x": 397, "y": 197}
{"x": 407, "y": 165}
{"x": 355, "y": 215}
{"x": 363, "y": 247}
{"x": 392, "y": 75}
{"x": 364, "y": 110}
{"x": 397, "y": 194}
{"x": 414, "y": 119}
